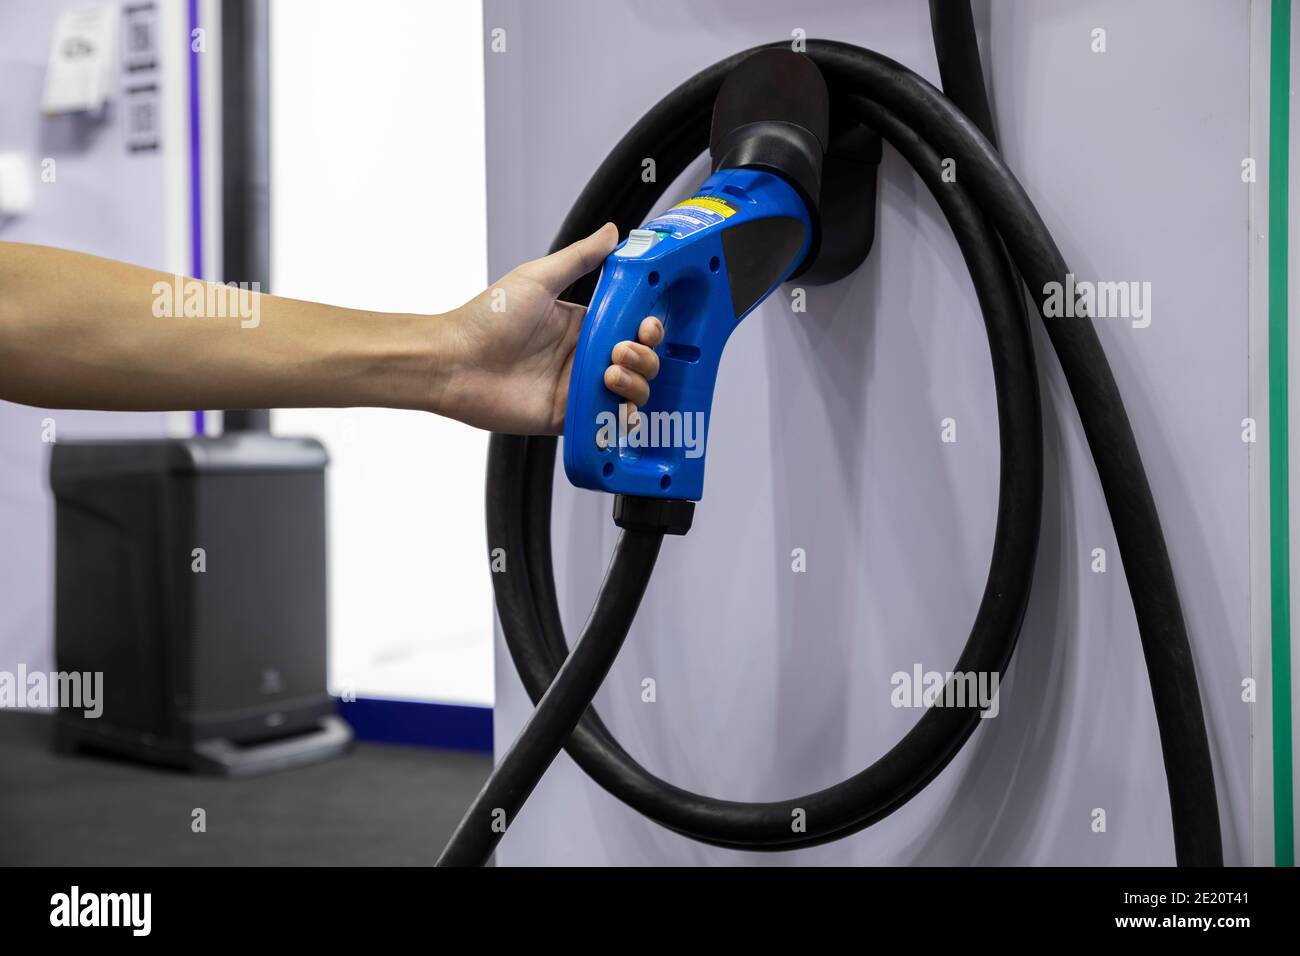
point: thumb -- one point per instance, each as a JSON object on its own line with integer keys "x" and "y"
{"x": 561, "y": 269}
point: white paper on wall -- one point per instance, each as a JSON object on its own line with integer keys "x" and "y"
{"x": 79, "y": 76}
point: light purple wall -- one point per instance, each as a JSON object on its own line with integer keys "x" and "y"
{"x": 104, "y": 200}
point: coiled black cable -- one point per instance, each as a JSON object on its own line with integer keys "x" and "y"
{"x": 988, "y": 210}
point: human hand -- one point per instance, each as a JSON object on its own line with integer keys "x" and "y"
{"x": 509, "y": 351}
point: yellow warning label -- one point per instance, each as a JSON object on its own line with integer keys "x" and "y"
{"x": 719, "y": 206}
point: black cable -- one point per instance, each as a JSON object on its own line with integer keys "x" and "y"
{"x": 918, "y": 121}
{"x": 1170, "y": 668}
{"x": 1169, "y": 660}
{"x": 563, "y": 703}
{"x": 956, "y": 48}
{"x": 938, "y": 735}
{"x": 526, "y": 597}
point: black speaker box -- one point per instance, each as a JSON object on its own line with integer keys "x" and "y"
{"x": 190, "y": 572}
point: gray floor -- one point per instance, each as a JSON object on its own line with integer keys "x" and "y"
{"x": 378, "y": 805}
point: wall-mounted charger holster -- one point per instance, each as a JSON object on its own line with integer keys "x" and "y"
{"x": 774, "y": 112}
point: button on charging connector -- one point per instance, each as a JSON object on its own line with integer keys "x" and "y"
{"x": 639, "y": 242}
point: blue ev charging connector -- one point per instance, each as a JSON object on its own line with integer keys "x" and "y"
{"x": 701, "y": 267}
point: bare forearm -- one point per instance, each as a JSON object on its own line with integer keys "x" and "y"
{"x": 78, "y": 331}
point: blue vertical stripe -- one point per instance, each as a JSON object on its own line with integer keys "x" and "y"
{"x": 196, "y": 169}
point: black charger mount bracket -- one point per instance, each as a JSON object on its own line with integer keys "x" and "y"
{"x": 775, "y": 113}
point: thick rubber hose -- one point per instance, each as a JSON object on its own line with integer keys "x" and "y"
{"x": 526, "y": 594}
{"x": 1170, "y": 668}
{"x": 961, "y": 72}
{"x": 1189, "y": 773}
{"x": 913, "y": 762}
{"x": 563, "y": 703}
{"x": 924, "y": 126}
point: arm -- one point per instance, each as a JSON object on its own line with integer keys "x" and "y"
{"x": 85, "y": 332}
